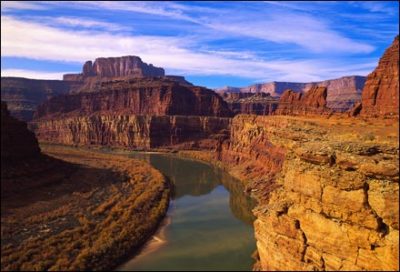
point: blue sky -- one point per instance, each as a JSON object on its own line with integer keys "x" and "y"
{"x": 210, "y": 43}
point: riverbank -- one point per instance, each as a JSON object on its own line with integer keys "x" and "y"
{"x": 90, "y": 213}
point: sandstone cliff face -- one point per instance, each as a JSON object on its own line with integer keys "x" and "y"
{"x": 145, "y": 97}
{"x": 131, "y": 131}
{"x": 24, "y": 95}
{"x": 328, "y": 193}
{"x": 380, "y": 95}
{"x": 342, "y": 93}
{"x": 17, "y": 142}
{"x": 312, "y": 102}
{"x": 116, "y": 67}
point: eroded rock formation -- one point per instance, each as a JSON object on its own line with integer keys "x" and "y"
{"x": 380, "y": 95}
{"x": 342, "y": 93}
{"x": 139, "y": 97}
{"x": 132, "y": 131}
{"x": 116, "y": 67}
{"x": 312, "y": 102}
{"x": 251, "y": 103}
{"x": 328, "y": 192}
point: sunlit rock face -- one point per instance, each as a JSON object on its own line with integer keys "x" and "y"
{"x": 116, "y": 67}
{"x": 328, "y": 197}
{"x": 295, "y": 103}
{"x": 380, "y": 95}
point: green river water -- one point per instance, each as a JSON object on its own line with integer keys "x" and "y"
{"x": 209, "y": 224}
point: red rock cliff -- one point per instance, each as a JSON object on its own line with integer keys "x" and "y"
{"x": 380, "y": 96}
{"x": 313, "y": 102}
{"x": 251, "y": 103}
{"x": 139, "y": 97}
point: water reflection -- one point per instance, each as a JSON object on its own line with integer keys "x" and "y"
{"x": 195, "y": 178}
{"x": 210, "y": 220}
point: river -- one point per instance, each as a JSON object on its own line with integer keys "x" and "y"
{"x": 209, "y": 224}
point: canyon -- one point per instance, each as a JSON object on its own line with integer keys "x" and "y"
{"x": 342, "y": 93}
{"x": 327, "y": 185}
{"x": 24, "y": 95}
{"x": 52, "y": 198}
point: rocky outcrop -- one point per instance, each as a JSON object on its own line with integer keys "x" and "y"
{"x": 17, "y": 142}
{"x": 251, "y": 103}
{"x": 23, "y": 95}
{"x": 139, "y": 97}
{"x": 312, "y": 102}
{"x": 342, "y": 93}
{"x": 380, "y": 95}
{"x": 327, "y": 191}
{"x": 131, "y": 66}
{"x": 131, "y": 131}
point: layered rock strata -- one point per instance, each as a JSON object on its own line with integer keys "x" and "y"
{"x": 312, "y": 102}
{"x": 342, "y": 93}
{"x": 131, "y": 131}
{"x": 380, "y": 96}
{"x": 251, "y": 103}
{"x": 327, "y": 190}
{"x": 144, "y": 97}
{"x": 131, "y": 66}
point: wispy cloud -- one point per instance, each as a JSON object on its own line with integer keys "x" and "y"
{"x": 281, "y": 41}
{"x": 81, "y": 23}
{"x": 32, "y": 74}
{"x": 376, "y": 6}
{"x": 310, "y": 32}
{"x": 36, "y": 41}
{"x": 302, "y": 30}
{"x": 21, "y": 5}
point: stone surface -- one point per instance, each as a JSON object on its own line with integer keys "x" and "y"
{"x": 132, "y": 131}
{"x": 380, "y": 96}
{"x": 116, "y": 67}
{"x": 24, "y": 95}
{"x": 312, "y": 102}
{"x": 251, "y": 103}
{"x": 318, "y": 206}
{"x": 149, "y": 96}
{"x": 342, "y": 93}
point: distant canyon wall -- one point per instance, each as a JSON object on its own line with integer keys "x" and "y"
{"x": 23, "y": 95}
{"x": 342, "y": 93}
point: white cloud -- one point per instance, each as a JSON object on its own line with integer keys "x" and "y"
{"x": 31, "y": 74}
{"x": 22, "y": 5}
{"x": 302, "y": 30}
{"x": 85, "y": 23}
{"x": 37, "y": 41}
{"x": 282, "y": 26}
